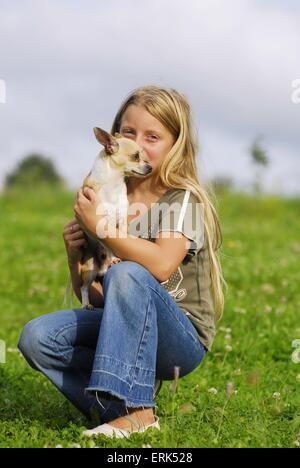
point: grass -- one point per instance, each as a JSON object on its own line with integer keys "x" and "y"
{"x": 252, "y": 350}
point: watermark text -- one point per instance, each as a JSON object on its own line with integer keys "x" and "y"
{"x": 295, "y": 97}
{"x": 2, "y": 92}
{"x": 163, "y": 217}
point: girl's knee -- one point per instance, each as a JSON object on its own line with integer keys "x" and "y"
{"x": 124, "y": 271}
{"x": 31, "y": 341}
{"x": 27, "y": 337}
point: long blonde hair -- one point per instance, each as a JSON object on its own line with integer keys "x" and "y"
{"x": 178, "y": 169}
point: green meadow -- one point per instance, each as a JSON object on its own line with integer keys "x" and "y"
{"x": 246, "y": 393}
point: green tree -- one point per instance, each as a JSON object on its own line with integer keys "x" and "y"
{"x": 34, "y": 170}
{"x": 261, "y": 161}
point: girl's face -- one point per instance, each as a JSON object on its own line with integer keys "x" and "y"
{"x": 153, "y": 137}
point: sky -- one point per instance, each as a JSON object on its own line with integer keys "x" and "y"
{"x": 66, "y": 67}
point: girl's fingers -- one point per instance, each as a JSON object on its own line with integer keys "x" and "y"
{"x": 75, "y": 228}
{"x": 75, "y": 235}
{"x": 72, "y": 224}
{"x": 71, "y": 228}
{"x": 78, "y": 243}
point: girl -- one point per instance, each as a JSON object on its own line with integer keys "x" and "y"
{"x": 156, "y": 309}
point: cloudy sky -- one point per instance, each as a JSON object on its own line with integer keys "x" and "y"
{"x": 67, "y": 66}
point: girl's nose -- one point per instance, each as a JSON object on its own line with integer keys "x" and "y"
{"x": 139, "y": 141}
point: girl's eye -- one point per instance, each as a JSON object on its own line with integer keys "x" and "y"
{"x": 130, "y": 132}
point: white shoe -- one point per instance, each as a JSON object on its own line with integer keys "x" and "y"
{"x": 111, "y": 431}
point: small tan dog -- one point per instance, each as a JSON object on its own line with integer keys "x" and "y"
{"x": 120, "y": 157}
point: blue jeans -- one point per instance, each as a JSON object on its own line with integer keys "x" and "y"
{"x": 118, "y": 351}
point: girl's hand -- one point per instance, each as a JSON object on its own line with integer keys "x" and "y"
{"x": 85, "y": 210}
{"x": 74, "y": 239}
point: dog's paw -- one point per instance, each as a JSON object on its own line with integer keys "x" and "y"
{"x": 114, "y": 261}
{"x": 89, "y": 307}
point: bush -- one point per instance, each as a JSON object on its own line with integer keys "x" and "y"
{"x": 34, "y": 170}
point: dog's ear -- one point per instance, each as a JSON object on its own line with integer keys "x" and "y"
{"x": 108, "y": 141}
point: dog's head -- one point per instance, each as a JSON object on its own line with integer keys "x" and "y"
{"x": 124, "y": 153}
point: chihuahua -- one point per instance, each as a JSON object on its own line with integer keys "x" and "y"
{"x": 120, "y": 157}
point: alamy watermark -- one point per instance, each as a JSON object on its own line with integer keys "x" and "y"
{"x": 295, "y": 96}
{"x": 2, "y": 352}
{"x": 163, "y": 217}
{"x": 296, "y": 353}
{"x": 2, "y": 92}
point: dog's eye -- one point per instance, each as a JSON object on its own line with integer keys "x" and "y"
{"x": 136, "y": 157}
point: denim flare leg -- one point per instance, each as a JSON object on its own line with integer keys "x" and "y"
{"x": 140, "y": 335}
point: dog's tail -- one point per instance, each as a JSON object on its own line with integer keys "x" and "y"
{"x": 69, "y": 294}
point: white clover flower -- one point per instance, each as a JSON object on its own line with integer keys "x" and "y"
{"x": 237, "y": 372}
{"x": 276, "y": 396}
{"x": 298, "y": 377}
{"x": 228, "y": 348}
{"x": 228, "y": 337}
{"x": 296, "y": 353}
{"x": 212, "y": 391}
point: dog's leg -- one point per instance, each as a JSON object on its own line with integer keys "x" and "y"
{"x": 122, "y": 220}
{"x": 85, "y": 297}
{"x": 88, "y": 275}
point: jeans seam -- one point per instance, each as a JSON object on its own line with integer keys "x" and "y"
{"x": 140, "y": 347}
{"x": 110, "y": 373}
{"x": 195, "y": 340}
{"x": 98, "y": 356}
{"x": 120, "y": 378}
